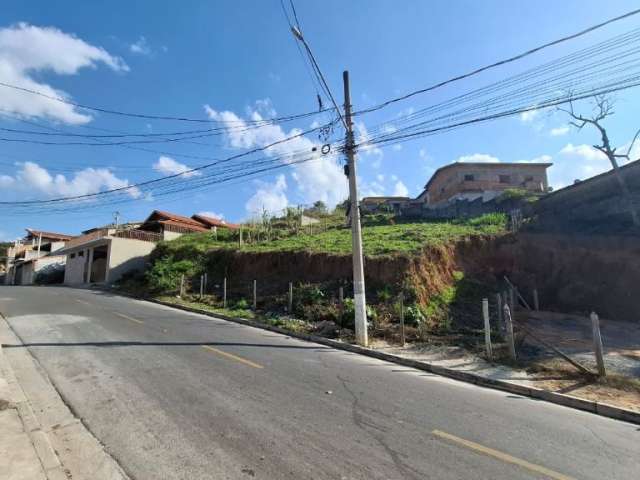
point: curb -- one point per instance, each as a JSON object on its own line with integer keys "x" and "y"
{"x": 598, "y": 408}
{"x": 49, "y": 460}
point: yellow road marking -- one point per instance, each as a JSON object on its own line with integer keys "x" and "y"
{"x": 233, "y": 357}
{"x": 128, "y": 317}
{"x": 81, "y": 301}
{"x": 502, "y": 456}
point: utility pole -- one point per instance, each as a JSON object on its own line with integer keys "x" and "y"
{"x": 116, "y": 217}
{"x": 359, "y": 300}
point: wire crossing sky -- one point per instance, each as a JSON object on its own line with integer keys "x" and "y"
{"x": 96, "y": 116}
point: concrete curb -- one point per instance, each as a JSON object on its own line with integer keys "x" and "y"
{"x": 73, "y": 434}
{"x": 602, "y": 409}
{"x": 50, "y": 463}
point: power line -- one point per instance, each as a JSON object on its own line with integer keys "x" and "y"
{"x": 500, "y": 62}
{"x": 516, "y": 111}
{"x": 297, "y": 32}
{"x": 181, "y": 174}
{"x": 155, "y": 117}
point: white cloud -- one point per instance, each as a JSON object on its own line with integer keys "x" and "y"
{"x": 559, "y": 131}
{"x": 35, "y": 181}
{"x": 319, "y": 179}
{"x": 423, "y": 153}
{"x": 380, "y": 177}
{"x": 400, "y": 190}
{"x": 26, "y": 50}
{"x": 397, "y": 147}
{"x": 370, "y": 189}
{"x": 362, "y": 137}
{"x": 584, "y": 152}
{"x": 140, "y": 46}
{"x": 540, "y": 159}
{"x": 218, "y": 216}
{"x": 579, "y": 162}
{"x": 168, "y": 166}
{"x": 269, "y": 196}
{"x": 477, "y": 158}
{"x": 529, "y": 116}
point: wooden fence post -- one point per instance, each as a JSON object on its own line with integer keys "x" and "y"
{"x": 224, "y": 292}
{"x": 500, "y": 319}
{"x": 290, "y": 302}
{"x": 536, "y": 304}
{"x": 597, "y": 344}
{"x": 402, "y": 337}
{"x": 205, "y": 283}
{"x": 201, "y": 285}
{"x": 512, "y": 300}
{"x": 487, "y": 328}
{"x": 510, "y": 339}
{"x": 255, "y": 296}
{"x": 341, "y": 295}
{"x": 182, "y": 285}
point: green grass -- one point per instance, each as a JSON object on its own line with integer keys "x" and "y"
{"x": 292, "y": 324}
{"x": 377, "y": 239}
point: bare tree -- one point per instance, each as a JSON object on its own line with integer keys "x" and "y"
{"x": 603, "y": 108}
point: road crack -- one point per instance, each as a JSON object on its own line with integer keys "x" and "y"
{"x": 378, "y": 435}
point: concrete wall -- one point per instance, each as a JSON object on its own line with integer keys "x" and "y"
{"x": 48, "y": 264}
{"x": 127, "y": 255}
{"x": 595, "y": 205}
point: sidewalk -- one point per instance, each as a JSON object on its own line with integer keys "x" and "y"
{"x": 19, "y": 458}
{"x": 40, "y": 438}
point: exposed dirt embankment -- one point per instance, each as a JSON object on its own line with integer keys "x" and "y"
{"x": 428, "y": 272}
{"x": 573, "y": 273}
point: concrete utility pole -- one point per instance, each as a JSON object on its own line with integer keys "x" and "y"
{"x": 359, "y": 300}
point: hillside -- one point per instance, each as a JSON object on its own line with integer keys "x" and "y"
{"x": 378, "y": 240}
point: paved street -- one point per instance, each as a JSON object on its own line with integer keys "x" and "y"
{"x": 181, "y": 396}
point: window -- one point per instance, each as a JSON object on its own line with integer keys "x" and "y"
{"x": 528, "y": 178}
{"x": 505, "y": 178}
{"x": 469, "y": 177}
{"x": 81, "y": 254}
{"x": 73, "y": 255}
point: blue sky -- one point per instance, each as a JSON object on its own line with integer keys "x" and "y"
{"x": 238, "y": 57}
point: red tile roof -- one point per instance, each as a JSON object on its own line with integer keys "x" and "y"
{"x": 51, "y": 235}
{"x": 160, "y": 216}
{"x": 214, "y": 222}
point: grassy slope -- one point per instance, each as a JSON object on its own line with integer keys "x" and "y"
{"x": 378, "y": 240}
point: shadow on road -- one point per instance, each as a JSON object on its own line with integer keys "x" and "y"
{"x": 154, "y": 344}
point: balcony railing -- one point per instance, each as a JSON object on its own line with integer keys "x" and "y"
{"x": 139, "y": 235}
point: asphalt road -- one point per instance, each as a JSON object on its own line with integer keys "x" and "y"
{"x": 177, "y": 395}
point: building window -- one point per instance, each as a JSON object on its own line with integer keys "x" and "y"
{"x": 505, "y": 178}
{"x": 81, "y": 253}
{"x": 73, "y": 255}
{"x": 528, "y": 178}
{"x": 469, "y": 177}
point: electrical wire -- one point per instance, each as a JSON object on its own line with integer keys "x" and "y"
{"x": 500, "y": 62}
{"x": 157, "y": 117}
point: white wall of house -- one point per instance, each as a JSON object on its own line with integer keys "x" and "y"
{"x": 126, "y": 255}
{"x": 169, "y": 235}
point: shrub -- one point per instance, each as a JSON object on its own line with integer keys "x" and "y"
{"x": 241, "y": 304}
{"x": 165, "y": 273}
{"x": 413, "y": 316}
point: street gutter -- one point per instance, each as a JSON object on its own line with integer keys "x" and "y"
{"x": 599, "y": 408}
